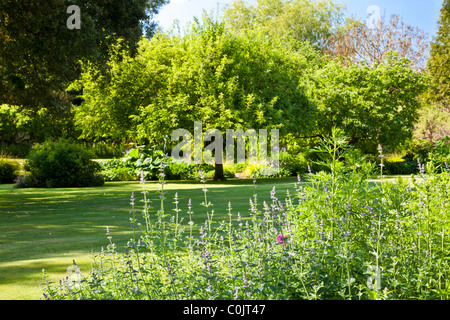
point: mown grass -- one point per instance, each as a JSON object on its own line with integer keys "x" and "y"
{"x": 49, "y": 228}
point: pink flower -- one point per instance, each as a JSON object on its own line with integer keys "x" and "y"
{"x": 282, "y": 239}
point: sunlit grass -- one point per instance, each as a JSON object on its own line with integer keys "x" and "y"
{"x": 48, "y": 228}
{"x": 19, "y": 279}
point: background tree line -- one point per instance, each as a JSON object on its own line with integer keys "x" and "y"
{"x": 298, "y": 66}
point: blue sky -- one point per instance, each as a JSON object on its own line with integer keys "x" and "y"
{"x": 418, "y": 13}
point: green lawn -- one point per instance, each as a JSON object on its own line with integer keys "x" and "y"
{"x": 48, "y": 228}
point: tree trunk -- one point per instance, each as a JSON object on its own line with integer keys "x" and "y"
{"x": 218, "y": 172}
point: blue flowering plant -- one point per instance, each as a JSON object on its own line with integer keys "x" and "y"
{"x": 343, "y": 233}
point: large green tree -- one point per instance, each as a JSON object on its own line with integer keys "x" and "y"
{"x": 39, "y": 54}
{"x": 434, "y": 121}
{"x": 224, "y": 79}
{"x": 439, "y": 62}
{"x": 372, "y": 104}
{"x": 247, "y": 80}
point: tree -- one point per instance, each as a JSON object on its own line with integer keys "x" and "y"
{"x": 225, "y": 80}
{"x": 355, "y": 41}
{"x": 372, "y": 104}
{"x": 433, "y": 124}
{"x": 24, "y": 127}
{"x": 439, "y": 62}
{"x": 39, "y": 54}
{"x": 301, "y": 20}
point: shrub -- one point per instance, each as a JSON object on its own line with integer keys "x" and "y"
{"x": 8, "y": 171}
{"x": 19, "y": 150}
{"x": 148, "y": 160}
{"x": 179, "y": 170}
{"x": 62, "y": 164}
{"x": 117, "y": 170}
{"x": 104, "y": 150}
{"x": 230, "y": 170}
{"x": 119, "y": 174}
{"x": 298, "y": 164}
{"x": 399, "y": 167}
{"x": 144, "y": 159}
{"x": 423, "y": 151}
{"x": 113, "y": 164}
{"x": 26, "y": 181}
{"x": 301, "y": 163}
{"x": 211, "y": 173}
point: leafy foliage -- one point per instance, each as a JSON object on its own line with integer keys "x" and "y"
{"x": 143, "y": 160}
{"x": 243, "y": 80}
{"x": 146, "y": 161}
{"x": 299, "y": 20}
{"x": 62, "y": 164}
{"x": 373, "y": 105}
{"x": 18, "y": 125}
{"x": 8, "y": 171}
{"x": 140, "y": 160}
{"x": 117, "y": 170}
{"x": 437, "y": 152}
{"x": 433, "y": 123}
{"x": 211, "y": 75}
{"x": 439, "y": 61}
{"x": 39, "y": 55}
{"x": 400, "y": 167}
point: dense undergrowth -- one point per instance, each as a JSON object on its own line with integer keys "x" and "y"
{"x": 337, "y": 235}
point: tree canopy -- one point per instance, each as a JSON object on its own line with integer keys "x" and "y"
{"x": 439, "y": 62}
{"x": 300, "y": 20}
{"x": 372, "y": 104}
{"x": 39, "y": 54}
{"x": 212, "y": 75}
{"x": 256, "y": 67}
{"x": 247, "y": 80}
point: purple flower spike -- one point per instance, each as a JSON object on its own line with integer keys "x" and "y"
{"x": 132, "y": 199}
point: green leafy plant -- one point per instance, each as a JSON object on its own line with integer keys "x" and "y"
{"x": 423, "y": 151}
{"x": 8, "y": 171}
{"x": 119, "y": 174}
{"x": 177, "y": 169}
{"x": 62, "y": 164}
{"x": 143, "y": 159}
